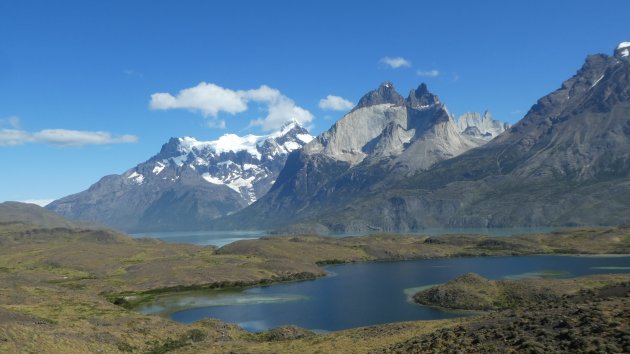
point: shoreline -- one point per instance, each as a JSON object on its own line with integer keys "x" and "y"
{"x": 63, "y": 282}
{"x": 152, "y": 296}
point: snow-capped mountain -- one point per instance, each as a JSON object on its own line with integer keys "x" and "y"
{"x": 486, "y": 128}
{"x": 246, "y": 164}
{"x": 188, "y": 183}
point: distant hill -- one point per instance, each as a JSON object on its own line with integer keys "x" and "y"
{"x": 16, "y": 212}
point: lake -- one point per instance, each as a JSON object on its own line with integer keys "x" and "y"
{"x": 364, "y": 294}
{"x": 222, "y": 238}
{"x": 203, "y": 238}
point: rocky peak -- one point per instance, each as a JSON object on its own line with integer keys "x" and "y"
{"x": 172, "y": 148}
{"x": 483, "y": 127}
{"x": 421, "y": 98}
{"x": 291, "y": 131}
{"x": 623, "y": 51}
{"x": 385, "y": 93}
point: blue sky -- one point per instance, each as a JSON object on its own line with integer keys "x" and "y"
{"x": 77, "y": 77}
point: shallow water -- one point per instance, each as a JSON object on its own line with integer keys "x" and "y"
{"x": 366, "y": 293}
{"x": 203, "y": 238}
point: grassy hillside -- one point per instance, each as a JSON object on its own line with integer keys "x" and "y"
{"x": 15, "y": 212}
{"x": 65, "y": 289}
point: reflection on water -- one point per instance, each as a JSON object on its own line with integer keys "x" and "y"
{"x": 366, "y": 294}
{"x": 547, "y": 274}
{"x": 168, "y": 303}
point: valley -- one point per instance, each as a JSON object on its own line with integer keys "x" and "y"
{"x": 60, "y": 286}
{"x": 271, "y": 177}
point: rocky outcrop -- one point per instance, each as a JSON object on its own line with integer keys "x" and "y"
{"x": 474, "y": 125}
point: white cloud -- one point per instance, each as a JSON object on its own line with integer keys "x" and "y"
{"x": 428, "y": 73}
{"x": 280, "y": 111}
{"x": 335, "y": 103}
{"x": 396, "y": 63}
{"x": 14, "y": 137}
{"x": 62, "y": 137}
{"x": 262, "y": 94}
{"x": 210, "y": 100}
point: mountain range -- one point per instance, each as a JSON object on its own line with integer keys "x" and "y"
{"x": 385, "y": 137}
{"x": 188, "y": 183}
{"x": 566, "y": 163}
{"x": 394, "y": 163}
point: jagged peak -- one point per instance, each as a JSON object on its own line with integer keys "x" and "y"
{"x": 182, "y": 146}
{"x": 291, "y": 127}
{"x": 480, "y": 126}
{"x": 421, "y": 97}
{"x": 385, "y": 93}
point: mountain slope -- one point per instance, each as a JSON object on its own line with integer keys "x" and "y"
{"x": 567, "y": 162}
{"x": 25, "y": 213}
{"x": 188, "y": 183}
{"x": 384, "y": 137}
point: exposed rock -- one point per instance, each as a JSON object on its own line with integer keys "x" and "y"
{"x": 384, "y": 94}
{"x": 486, "y": 128}
{"x": 383, "y": 138}
{"x": 566, "y": 163}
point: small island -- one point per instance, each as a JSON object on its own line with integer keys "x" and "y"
{"x": 68, "y": 288}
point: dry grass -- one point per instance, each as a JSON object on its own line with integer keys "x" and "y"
{"x": 56, "y": 285}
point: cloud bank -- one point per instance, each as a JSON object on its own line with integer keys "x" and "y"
{"x": 210, "y": 100}
{"x": 62, "y": 137}
{"x": 335, "y": 103}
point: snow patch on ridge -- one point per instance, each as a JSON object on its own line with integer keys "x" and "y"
{"x": 208, "y": 177}
{"x": 158, "y": 168}
{"x": 305, "y": 138}
{"x": 136, "y": 177}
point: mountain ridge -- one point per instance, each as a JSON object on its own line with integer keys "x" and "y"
{"x": 385, "y": 135}
{"x": 566, "y": 163}
{"x": 188, "y": 183}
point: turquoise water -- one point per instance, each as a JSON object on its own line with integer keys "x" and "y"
{"x": 203, "y": 238}
{"x": 221, "y": 238}
{"x": 366, "y": 294}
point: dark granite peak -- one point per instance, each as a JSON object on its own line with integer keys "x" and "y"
{"x": 385, "y": 93}
{"x": 421, "y": 97}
